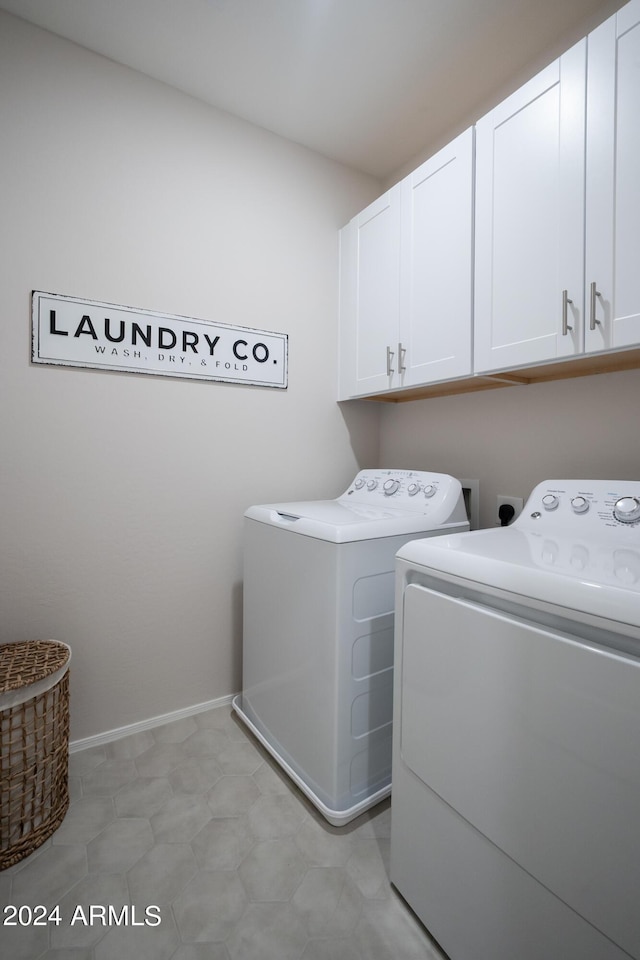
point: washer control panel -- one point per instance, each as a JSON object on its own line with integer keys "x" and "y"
{"x": 413, "y": 490}
{"x": 583, "y": 504}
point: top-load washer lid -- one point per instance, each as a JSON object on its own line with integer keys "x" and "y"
{"x": 575, "y": 545}
{"x": 378, "y": 503}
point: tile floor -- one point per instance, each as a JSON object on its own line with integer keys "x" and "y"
{"x": 194, "y": 818}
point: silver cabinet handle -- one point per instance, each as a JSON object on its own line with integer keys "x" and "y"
{"x": 390, "y": 354}
{"x": 401, "y": 355}
{"x": 593, "y": 293}
{"x": 565, "y": 309}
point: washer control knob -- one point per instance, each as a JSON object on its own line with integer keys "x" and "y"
{"x": 359, "y": 484}
{"x": 579, "y": 505}
{"x": 413, "y": 488}
{"x": 579, "y": 557}
{"x": 627, "y": 509}
{"x": 429, "y": 490}
{"x": 372, "y": 484}
{"x": 626, "y": 566}
{"x": 390, "y": 487}
{"x": 550, "y": 501}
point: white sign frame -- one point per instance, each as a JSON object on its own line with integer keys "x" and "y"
{"x": 71, "y": 332}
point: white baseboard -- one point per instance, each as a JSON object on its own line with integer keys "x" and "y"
{"x": 109, "y": 735}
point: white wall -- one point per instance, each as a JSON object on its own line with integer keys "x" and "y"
{"x": 121, "y": 496}
{"x": 496, "y": 48}
{"x": 511, "y": 439}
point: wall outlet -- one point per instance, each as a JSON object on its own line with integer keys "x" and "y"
{"x": 516, "y": 502}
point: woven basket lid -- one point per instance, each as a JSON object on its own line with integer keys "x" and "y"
{"x": 29, "y": 661}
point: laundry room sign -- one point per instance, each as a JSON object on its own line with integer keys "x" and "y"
{"x": 87, "y": 333}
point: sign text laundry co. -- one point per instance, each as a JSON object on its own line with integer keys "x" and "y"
{"x": 87, "y": 333}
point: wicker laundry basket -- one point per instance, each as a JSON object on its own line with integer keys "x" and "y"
{"x": 34, "y": 744}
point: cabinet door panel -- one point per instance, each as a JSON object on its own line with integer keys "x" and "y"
{"x": 369, "y": 295}
{"x": 530, "y": 220}
{"x": 437, "y": 245}
{"x": 613, "y": 185}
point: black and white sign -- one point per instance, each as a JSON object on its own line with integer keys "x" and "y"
{"x": 87, "y": 333}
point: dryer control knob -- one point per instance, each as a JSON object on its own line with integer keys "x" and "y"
{"x": 579, "y": 505}
{"x": 372, "y": 484}
{"x": 550, "y": 501}
{"x": 413, "y": 488}
{"x": 390, "y": 487}
{"x": 429, "y": 490}
{"x": 359, "y": 484}
{"x": 627, "y": 509}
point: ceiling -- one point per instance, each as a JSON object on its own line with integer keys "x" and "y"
{"x": 370, "y": 83}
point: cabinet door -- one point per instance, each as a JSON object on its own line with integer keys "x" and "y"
{"x": 370, "y": 298}
{"x": 436, "y": 265}
{"x": 612, "y": 261}
{"x": 530, "y": 220}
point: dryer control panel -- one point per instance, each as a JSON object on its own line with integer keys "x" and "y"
{"x": 591, "y": 506}
{"x": 588, "y": 529}
{"x": 413, "y": 490}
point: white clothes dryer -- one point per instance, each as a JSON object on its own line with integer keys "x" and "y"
{"x": 516, "y": 767}
{"x": 318, "y": 629}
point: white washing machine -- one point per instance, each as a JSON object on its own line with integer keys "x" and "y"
{"x": 516, "y": 769}
{"x": 318, "y": 629}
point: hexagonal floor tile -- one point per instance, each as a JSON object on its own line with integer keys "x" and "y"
{"x": 128, "y": 748}
{"x": 209, "y": 906}
{"x": 85, "y": 819}
{"x": 329, "y": 902}
{"x": 386, "y": 929}
{"x": 368, "y": 867}
{"x": 120, "y": 845}
{"x": 78, "y": 928}
{"x": 222, "y": 844}
{"x": 143, "y": 797}
{"x": 201, "y": 951}
{"x": 208, "y": 742}
{"x": 180, "y": 819}
{"x": 333, "y": 950}
{"x": 268, "y": 931}
{"x": 162, "y": 873}
{"x": 46, "y": 878}
{"x": 275, "y": 816}
{"x": 108, "y": 777}
{"x": 82, "y": 762}
{"x": 239, "y": 757}
{"x": 142, "y": 942}
{"x": 159, "y": 760}
{"x": 321, "y": 845}
{"x": 195, "y": 775}
{"x": 232, "y": 796}
{"x": 272, "y": 870}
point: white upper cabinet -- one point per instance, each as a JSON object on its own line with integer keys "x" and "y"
{"x": 436, "y": 266}
{"x": 530, "y": 221}
{"x": 558, "y": 207}
{"x": 551, "y": 271}
{"x": 370, "y": 298}
{"x": 612, "y": 260}
{"x": 406, "y": 266}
